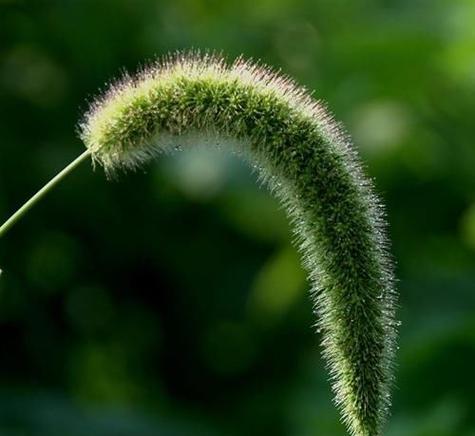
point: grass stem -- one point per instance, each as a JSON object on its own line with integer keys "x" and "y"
{"x": 42, "y": 192}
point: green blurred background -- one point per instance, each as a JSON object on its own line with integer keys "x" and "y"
{"x": 171, "y": 301}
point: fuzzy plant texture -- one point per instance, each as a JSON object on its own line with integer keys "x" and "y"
{"x": 310, "y": 165}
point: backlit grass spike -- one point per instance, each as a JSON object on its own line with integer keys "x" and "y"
{"x": 306, "y": 160}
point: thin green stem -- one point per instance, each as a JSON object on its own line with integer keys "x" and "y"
{"x": 42, "y": 192}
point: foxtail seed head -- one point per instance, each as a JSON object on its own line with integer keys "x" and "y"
{"x": 311, "y": 166}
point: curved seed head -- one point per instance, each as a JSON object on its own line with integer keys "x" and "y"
{"x": 313, "y": 169}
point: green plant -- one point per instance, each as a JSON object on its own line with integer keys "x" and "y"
{"x": 308, "y": 163}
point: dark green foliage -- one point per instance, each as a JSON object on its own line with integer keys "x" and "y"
{"x": 311, "y": 166}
